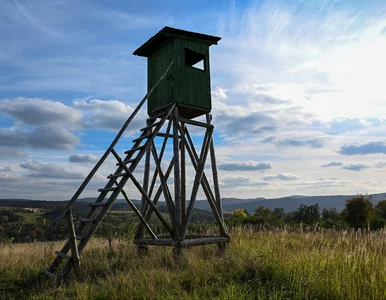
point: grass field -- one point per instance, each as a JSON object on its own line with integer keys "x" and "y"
{"x": 257, "y": 265}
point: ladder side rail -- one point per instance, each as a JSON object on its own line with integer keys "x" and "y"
{"x": 106, "y": 154}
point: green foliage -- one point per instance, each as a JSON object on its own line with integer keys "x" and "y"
{"x": 380, "y": 209}
{"x": 240, "y": 212}
{"x": 358, "y": 211}
{"x": 308, "y": 214}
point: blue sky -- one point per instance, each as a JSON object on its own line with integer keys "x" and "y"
{"x": 298, "y": 91}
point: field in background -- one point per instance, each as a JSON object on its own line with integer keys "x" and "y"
{"x": 260, "y": 265}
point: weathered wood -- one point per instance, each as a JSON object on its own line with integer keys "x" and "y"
{"x": 159, "y": 242}
{"x": 213, "y": 163}
{"x": 159, "y": 191}
{"x": 72, "y": 240}
{"x": 167, "y": 195}
{"x": 197, "y": 180}
{"x": 62, "y": 255}
{"x": 146, "y": 197}
{"x": 109, "y": 189}
{"x": 183, "y": 176}
{"x": 189, "y": 242}
{"x": 195, "y": 123}
{"x": 177, "y": 178}
{"x": 139, "y": 214}
{"x": 112, "y": 145}
{"x": 204, "y": 241}
{"x": 139, "y": 231}
{"x": 149, "y": 126}
{"x": 134, "y": 149}
{"x": 49, "y": 274}
{"x": 205, "y": 185}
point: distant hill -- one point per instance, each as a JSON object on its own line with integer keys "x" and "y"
{"x": 289, "y": 203}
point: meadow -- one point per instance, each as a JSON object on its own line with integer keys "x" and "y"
{"x": 276, "y": 264}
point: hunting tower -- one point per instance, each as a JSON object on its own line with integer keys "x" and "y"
{"x": 178, "y": 92}
{"x": 188, "y": 81}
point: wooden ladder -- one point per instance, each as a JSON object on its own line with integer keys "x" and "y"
{"x": 80, "y": 236}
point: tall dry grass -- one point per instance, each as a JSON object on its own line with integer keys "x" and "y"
{"x": 257, "y": 265}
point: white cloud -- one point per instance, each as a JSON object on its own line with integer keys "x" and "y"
{"x": 49, "y": 170}
{"x": 249, "y": 165}
{"x": 6, "y": 169}
{"x": 82, "y": 158}
{"x": 281, "y": 176}
{"x": 40, "y": 112}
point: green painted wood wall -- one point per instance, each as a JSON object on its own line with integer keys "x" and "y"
{"x": 185, "y": 85}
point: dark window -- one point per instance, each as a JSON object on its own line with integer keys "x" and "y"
{"x": 194, "y": 59}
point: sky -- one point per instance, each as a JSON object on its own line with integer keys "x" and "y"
{"x": 298, "y": 92}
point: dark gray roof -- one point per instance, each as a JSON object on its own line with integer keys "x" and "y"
{"x": 168, "y": 32}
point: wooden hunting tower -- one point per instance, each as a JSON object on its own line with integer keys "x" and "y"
{"x": 178, "y": 91}
{"x": 188, "y": 81}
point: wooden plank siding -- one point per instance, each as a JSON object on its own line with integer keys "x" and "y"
{"x": 186, "y": 86}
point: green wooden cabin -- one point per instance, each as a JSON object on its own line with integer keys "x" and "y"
{"x": 188, "y": 82}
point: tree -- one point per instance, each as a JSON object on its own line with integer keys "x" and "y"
{"x": 308, "y": 214}
{"x": 330, "y": 214}
{"x": 263, "y": 212}
{"x": 279, "y": 213}
{"x": 240, "y": 212}
{"x": 358, "y": 211}
{"x": 380, "y": 209}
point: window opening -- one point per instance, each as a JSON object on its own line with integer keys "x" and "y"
{"x": 194, "y": 59}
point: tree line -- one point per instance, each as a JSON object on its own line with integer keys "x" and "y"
{"x": 359, "y": 213}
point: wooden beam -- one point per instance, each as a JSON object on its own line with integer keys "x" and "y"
{"x": 177, "y": 182}
{"x": 139, "y": 215}
{"x": 204, "y": 241}
{"x": 205, "y": 185}
{"x": 198, "y": 178}
{"x": 153, "y": 181}
{"x": 167, "y": 195}
{"x": 74, "y": 247}
{"x": 195, "y": 123}
{"x": 214, "y": 171}
{"x": 139, "y": 187}
{"x": 183, "y": 176}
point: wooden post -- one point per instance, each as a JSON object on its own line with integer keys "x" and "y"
{"x": 177, "y": 181}
{"x": 74, "y": 247}
{"x": 183, "y": 175}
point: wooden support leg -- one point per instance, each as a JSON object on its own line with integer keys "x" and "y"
{"x": 222, "y": 247}
{"x": 177, "y": 254}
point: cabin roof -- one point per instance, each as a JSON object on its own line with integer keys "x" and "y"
{"x": 166, "y": 33}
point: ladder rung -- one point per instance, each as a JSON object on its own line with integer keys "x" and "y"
{"x": 110, "y": 189}
{"x": 129, "y": 161}
{"x": 85, "y": 220}
{"x": 98, "y": 204}
{"x": 62, "y": 255}
{"x": 142, "y": 137}
{"x": 49, "y": 274}
{"x": 133, "y": 149}
{"x": 150, "y": 126}
{"x": 116, "y": 175}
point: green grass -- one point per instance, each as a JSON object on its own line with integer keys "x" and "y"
{"x": 29, "y": 215}
{"x": 257, "y": 265}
